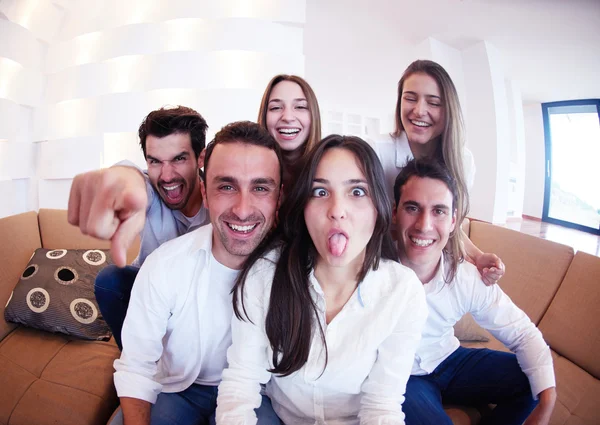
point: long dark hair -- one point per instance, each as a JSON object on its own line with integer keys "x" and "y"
{"x": 292, "y": 313}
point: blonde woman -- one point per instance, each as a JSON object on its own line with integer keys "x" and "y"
{"x": 429, "y": 124}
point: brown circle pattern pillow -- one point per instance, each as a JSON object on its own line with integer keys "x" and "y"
{"x": 55, "y": 293}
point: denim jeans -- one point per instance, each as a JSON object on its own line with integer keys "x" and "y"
{"x": 113, "y": 289}
{"x": 196, "y": 406}
{"x": 471, "y": 377}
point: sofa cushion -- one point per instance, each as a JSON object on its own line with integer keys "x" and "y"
{"x": 578, "y": 395}
{"x": 56, "y": 232}
{"x": 571, "y": 324}
{"x": 20, "y": 238}
{"x": 56, "y": 293}
{"x": 466, "y": 329}
{"x": 535, "y": 267}
{"x": 54, "y": 379}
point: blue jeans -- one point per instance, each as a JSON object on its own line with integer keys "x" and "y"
{"x": 471, "y": 377}
{"x": 113, "y": 289}
{"x": 196, "y": 406}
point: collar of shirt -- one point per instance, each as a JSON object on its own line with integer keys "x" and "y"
{"x": 203, "y": 241}
{"x": 357, "y": 300}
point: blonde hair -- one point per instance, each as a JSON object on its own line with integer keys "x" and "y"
{"x": 314, "y": 136}
{"x": 450, "y": 148}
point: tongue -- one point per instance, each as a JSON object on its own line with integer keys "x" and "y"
{"x": 337, "y": 244}
{"x": 175, "y": 193}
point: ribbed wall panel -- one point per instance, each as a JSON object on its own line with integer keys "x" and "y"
{"x": 72, "y": 99}
{"x": 232, "y": 69}
{"x": 20, "y": 45}
{"x": 61, "y": 159}
{"x": 197, "y": 35}
{"x": 41, "y": 17}
{"x": 91, "y": 15}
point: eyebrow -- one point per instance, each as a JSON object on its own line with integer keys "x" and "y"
{"x": 346, "y": 182}
{"x": 427, "y": 95}
{"x": 436, "y": 206}
{"x": 268, "y": 181}
{"x": 298, "y": 99}
{"x": 182, "y": 153}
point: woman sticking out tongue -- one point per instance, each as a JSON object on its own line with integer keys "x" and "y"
{"x": 326, "y": 298}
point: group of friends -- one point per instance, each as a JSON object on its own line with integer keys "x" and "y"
{"x": 285, "y": 278}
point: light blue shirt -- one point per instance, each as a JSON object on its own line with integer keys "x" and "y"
{"x": 162, "y": 223}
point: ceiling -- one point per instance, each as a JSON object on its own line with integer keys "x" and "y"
{"x": 551, "y": 48}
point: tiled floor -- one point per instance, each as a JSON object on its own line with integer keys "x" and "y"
{"x": 580, "y": 241}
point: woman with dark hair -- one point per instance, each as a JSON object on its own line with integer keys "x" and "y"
{"x": 325, "y": 315}
{"x": 429, "y": 124}
{"x": 290, "y": 112}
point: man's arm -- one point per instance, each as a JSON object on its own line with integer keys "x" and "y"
{"x": 493, "y": 310}
{"x": 110, "y": 204}
{"x": 135, "y": 411}
{"x": 543, "y": 411}
{"x": 143, "y": 332}
{"x": 490, "y": 266}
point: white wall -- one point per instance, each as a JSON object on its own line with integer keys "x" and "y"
{"x": 75, "y": 83}
{"x": 488, "y": 131}
{"x": 535, "y": 176}
{"x": 352, "y": 63}
{"x": 517, "y": 150}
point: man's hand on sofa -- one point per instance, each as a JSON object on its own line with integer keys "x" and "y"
{"x": 541, "y": 414}
{"x": 135, "y": 411}
{"x": 110, "y": 204}
{"x": 491, "y": 268}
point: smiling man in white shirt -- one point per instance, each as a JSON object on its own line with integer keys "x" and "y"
{"x": 522, "y": 385}
{"x": 177, "y": 328}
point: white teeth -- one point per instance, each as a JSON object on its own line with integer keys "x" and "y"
{"x": 421, "y": 123}
{"x": 289, "y": 130}
{"x": 171, "y": 187}
{"x": 421, "y": 242}
{"x": 242, "y": 229}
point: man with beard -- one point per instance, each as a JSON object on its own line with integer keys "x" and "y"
{"x": 160, "y": 204}
{"x": 177, "y": 330}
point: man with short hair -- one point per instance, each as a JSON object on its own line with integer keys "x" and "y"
{"x": 177, "y": 330}
{"x": 161, "y": 203}
{"x": 444, "y": 372}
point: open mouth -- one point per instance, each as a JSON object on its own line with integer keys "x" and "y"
{"x": 423, "y": 243}
{"x": 422, "y": 124}
{"x": 337, "y": 243}
{"x": 173, "y": 191}
{"x": 242, "y": 229}
{"x": 289, "y": 132}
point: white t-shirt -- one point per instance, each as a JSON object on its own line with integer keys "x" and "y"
{"x": 394, "y": 153}
{"x": 218, "y": 323}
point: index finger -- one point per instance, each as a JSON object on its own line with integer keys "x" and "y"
{"x": 74, "y": 201}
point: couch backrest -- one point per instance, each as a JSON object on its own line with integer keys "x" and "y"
{"x": 19, "y": 238}
{"x": 535, "y": 267}
{"x": 57, "y": 233}
{"x": 571, "y": 326}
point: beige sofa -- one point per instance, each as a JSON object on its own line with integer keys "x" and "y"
{"x": 52, "y": 379}
{"x": 49, "y": 378}
{"x": 560, "y": 292}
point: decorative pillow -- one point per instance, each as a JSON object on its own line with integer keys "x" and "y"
{"x": 56, "y": 293}
{"x": 467, "y": 329}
